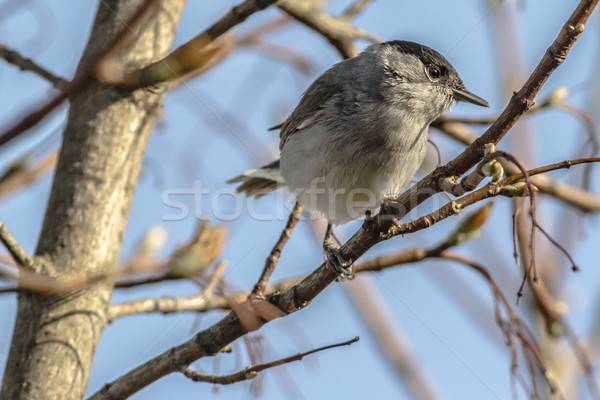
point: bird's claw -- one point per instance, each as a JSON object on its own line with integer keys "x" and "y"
{"x": 390, "y": 207}
{"x": 336, "y": 261}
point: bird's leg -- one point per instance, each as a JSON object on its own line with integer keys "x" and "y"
{"x": 389, "y": 210}
{"x": 390, "y": 207}
{"x": 333, "y": 256}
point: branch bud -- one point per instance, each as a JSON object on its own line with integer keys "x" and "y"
{"x": 493, "y": 169}
{"x": 470, "y": 227}
{"x": 519, "y": 189}
{"x": 558, "y": 95}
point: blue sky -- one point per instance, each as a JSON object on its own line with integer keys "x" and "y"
{"x": 215, "y": 126}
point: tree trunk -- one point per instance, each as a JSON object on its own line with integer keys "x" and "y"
{"x": 55, "y": 337}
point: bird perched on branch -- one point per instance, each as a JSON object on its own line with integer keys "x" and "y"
{"x": 359, "y": 133}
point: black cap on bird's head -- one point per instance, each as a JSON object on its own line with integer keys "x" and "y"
{"x": 437, "y": 68}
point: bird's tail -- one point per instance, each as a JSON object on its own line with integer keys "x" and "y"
{"x": 259, "y": 182}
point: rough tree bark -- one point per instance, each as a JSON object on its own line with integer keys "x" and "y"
{"x": 55, "y": 337}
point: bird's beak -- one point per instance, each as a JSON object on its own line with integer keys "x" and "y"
{"x": 468, "y": 97}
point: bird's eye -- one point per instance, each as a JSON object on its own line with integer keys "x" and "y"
{"x": 433, "y": 72}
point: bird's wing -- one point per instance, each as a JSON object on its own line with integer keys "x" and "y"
{"x": 308, "y": 111}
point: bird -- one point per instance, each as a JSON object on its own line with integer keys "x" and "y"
{"x": 359, "y": 133}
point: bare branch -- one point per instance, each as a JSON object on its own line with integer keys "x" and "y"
{"x": 273, "y": 259}
{"x": 32, "y": 281}
{"x": 215, "y": 278}
{"x": 133, "y": 282}
{"x": 296, "y": 295}
{"x": 194, "y": 54}
{"x": 251, "y": 371}
{"x": 14, "y": 248}
{"x": 571, "y": 195}
{"x": 469, "y": 182}
{"x": 566, "y": 164}
{"x": 27, "y": 175}
{"x": 168, "y": 305}
{"x": 25, "y": 64}
{"x": 201, "y": 302}
{"x": 355, "y": 9}
{"x": 553, "y": 101}
{"x": 338, "y": 31}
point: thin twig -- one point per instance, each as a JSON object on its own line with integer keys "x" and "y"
{"x": 571, "y": 195}
{"x": 200, "y": 302}
{"x": 17, "y": 252}
{"x": 273, "y": 258}
{"x": 437, "y": 152}
{"x": 338, "y": 31}
{"x": 354, "y": 9}
{"x": 26, "y": 64}
{"x": 492, "y": 189}
{"x": 530, "y": 267}
{"x": 132, "y": 282}
{"x": 251, "y": 371}
{"x": 590, "y": 127}
{"x": 574, "y": 266}
{"x": 566, "y": 164}
{"x": 514, "y": 236}
{"x": 215, "y": 278}
{"x": 546, "y": 104}
{"x": 26, "y": 175}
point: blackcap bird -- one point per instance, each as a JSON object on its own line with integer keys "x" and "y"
{"x": 359, "y": 133}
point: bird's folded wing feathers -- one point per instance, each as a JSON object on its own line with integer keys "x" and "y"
{"x": 315, "y": 97}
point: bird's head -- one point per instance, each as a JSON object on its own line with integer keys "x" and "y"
{"x": 416, "y": 78}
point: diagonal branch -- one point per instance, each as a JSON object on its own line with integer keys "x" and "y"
{"x": 355, "y": 9}
{"x": 251, "y": 371}
{"x": 273, "y": 259}
{"x": 338, "y": 31}
{"x": 14, "y": 248}
{"x": 571, "y": 195}
{"x": 23, "y": 175}
{"x": 26, "y": 64}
